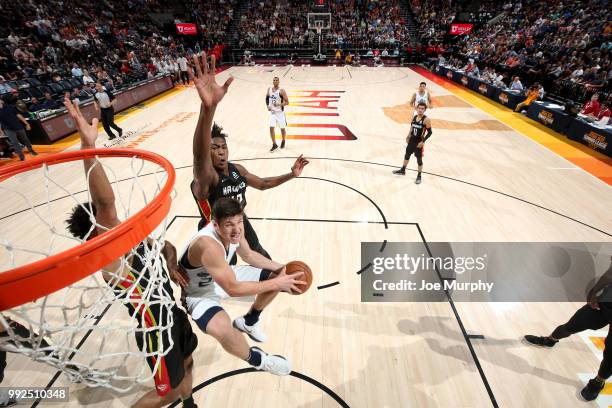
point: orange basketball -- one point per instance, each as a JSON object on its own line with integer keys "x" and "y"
{"x": 299, "y": 266}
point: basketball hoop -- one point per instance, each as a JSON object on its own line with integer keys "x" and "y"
{"x": 52, "y": 287}
{"x": 29, "y": 282}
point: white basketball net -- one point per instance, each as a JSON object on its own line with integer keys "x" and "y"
{"x": 85, "y": 330}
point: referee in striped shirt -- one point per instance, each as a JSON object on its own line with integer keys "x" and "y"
{"x": 105, "y": 101}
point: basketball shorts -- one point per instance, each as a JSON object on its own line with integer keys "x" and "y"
{"x": 413, "y": 149}
{"x": 278, "y": 118}
{"x": 171, "y": 369}
{"x": 204, "y": 307}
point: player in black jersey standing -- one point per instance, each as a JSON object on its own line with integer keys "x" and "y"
{"x": 420, "y": 131}
{"x": 214, "y": 176}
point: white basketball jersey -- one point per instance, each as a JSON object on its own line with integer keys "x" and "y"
{"x": 200, "y": 281}
{"x": 421, "y": 98}
{"x": 275, "y": 100}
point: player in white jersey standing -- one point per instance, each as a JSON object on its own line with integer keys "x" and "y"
{"x": 420, "y": 96}
{"x": 210, "y": 278}
{"x": 277, "y": 99}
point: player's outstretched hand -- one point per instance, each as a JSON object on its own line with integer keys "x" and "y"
{"x": 203, "y": 76}
{"x": 88, "y": 133}
{"x": 299, "y": 165}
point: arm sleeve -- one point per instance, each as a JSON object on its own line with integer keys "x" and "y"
{"x": 428, "y": 134}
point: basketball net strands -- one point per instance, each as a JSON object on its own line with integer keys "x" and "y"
{"x": 51, "y": 284}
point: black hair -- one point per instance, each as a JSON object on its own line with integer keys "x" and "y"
{"x": 422, "y": 104}
{"x": 79, "y": 221}
{"x": 423, "y": 83}
{"x": 217, "y": 131}
{"x": 225, "y": 207}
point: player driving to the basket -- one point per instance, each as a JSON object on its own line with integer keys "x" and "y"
{"x": 173, "y": 378}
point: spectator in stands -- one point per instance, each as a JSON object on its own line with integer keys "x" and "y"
{"x": 470, "y": 66}
{"x": 76, "y": 71}
{"x": 5, "y": 88}
{"x": 35, "y": 105}
{"x": 377, "y": 61}
{"x": 78, "y": 94}
{"x": 541, "y": 92}
{"x": 474, "y": 71}
{"x": 577, "y": 74}
{"x": 604, "y": 114}
{"x": 87, "y": 79}
{"x": 49, "y": 103}
{"x": 592, "y": 107}
{"x": 559, "y": 49}
{"x": 516, "y": 85}
{"x": 599, "y": 82}
{"x": 14, "y": 126}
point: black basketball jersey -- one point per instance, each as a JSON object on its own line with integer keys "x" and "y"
{"x": 233, "y": 185}
{"x": 417, "y": 133}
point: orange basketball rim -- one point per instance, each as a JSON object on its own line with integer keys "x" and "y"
{"x": 40, "y": 278}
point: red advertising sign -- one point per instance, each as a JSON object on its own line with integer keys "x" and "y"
{"x": 460, "y": 29}
{"x": 186, "y": 29}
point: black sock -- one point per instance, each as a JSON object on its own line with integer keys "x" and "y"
{"x": 188, "y": 403}
{"x": 254, "y": 358}
{"x": 403, "y": 168}
{"x": 419, "y": 175}
{"x": 252, "y": 317}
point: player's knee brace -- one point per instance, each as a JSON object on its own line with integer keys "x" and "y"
{"x": 419, "y": 160}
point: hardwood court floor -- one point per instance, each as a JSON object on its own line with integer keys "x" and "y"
{"x": 483, "y": 182}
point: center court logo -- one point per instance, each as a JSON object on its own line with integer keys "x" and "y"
{"x": 319, "y": 104}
